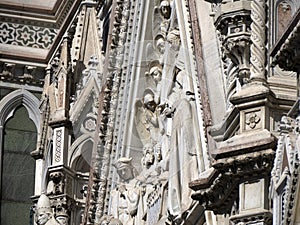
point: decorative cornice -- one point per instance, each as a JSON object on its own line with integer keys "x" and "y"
{"x": 32, "y": 36}
{"x": 264, "y": 217}
{"x": 239, "y": 159}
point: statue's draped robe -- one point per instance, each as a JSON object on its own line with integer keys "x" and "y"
{"x": 183, "y": 157}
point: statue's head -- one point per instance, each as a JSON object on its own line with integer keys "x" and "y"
{"x": 149, "y": 101}
{"x": 62, "y": 218}
{"x": 42, "y": 218}
{"x": 43, "y": 210}
{"x": 174, "y": 38}
{"x": 124, "y": 168}
{"x": 160, "y": 43}
{"x": 155, "y": 71}
{"x": 148, "y": 155}
{"x": 165, "y": 9}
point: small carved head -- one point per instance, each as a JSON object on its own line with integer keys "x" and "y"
{"x": 174, "y": 38}
{"x": 149, "y": 101}
{"x": 62, "y": 219}
{"x": 155, "y": 71}
{"x": 43, "y": 218}
{"x": 148, "y": 155}
{"x": 124, "y": 168}
{"x": 160, "y": 44}
{"x": 165, "y": 9}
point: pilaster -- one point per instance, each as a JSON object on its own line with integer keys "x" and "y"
{"x": 59, "y": 184}
{"x": 238, "y": 182}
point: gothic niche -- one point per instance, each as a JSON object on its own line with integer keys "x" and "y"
{"x": 284, "y": 16}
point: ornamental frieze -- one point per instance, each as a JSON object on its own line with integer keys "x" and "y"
{"x": 27, "y": 35}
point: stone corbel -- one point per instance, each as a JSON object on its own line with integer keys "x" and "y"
{"x": 29, "y": 72}
{"x": 63, "y": 207}
{"x": 8, "y": 69}
{"x": 235, "y": 161}
{"x": 58, "y": 182}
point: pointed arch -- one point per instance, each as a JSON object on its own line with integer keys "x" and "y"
{"x": 9, "y": 104}
{"x": 9, "y": 107}
{"x": 17, "y": 98}
{"x": 76, "y": 149}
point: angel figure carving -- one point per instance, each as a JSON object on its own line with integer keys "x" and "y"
{"x": 147, "y": 117}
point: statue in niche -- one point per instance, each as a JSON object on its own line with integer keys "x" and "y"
{"x": 152, "y": 125}
{"x": 125, "y": 199}
{"x": 183, "y": 153}
{"x": 44, "y": 214}
{"x": 165, "y": 12}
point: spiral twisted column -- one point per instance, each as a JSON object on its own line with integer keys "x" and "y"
{"x": 258, "y": 38}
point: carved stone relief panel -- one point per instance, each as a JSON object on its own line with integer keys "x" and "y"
{"x": 252, "y": 119}
{"x": 163, "y": 129}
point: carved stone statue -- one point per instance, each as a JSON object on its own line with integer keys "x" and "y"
{"x": 125, "y": 198}
{"x": 160, "y": 44}
{"x": 165, "y": 11}
{"x": 148, "y": 156}
{"x": 174, "y": 38}
{"x": 183, "y": 154}
{"x": 147, "y": 117}
{"x": 151, "y": 180}
{"x": 44, "y": 214}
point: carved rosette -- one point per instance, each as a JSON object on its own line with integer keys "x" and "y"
{"x": 252, "y": 120}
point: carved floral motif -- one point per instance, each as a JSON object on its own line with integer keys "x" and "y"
{"x": 252, "y": 120}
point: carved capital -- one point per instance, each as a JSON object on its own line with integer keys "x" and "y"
{"x": 233, "y": 23}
